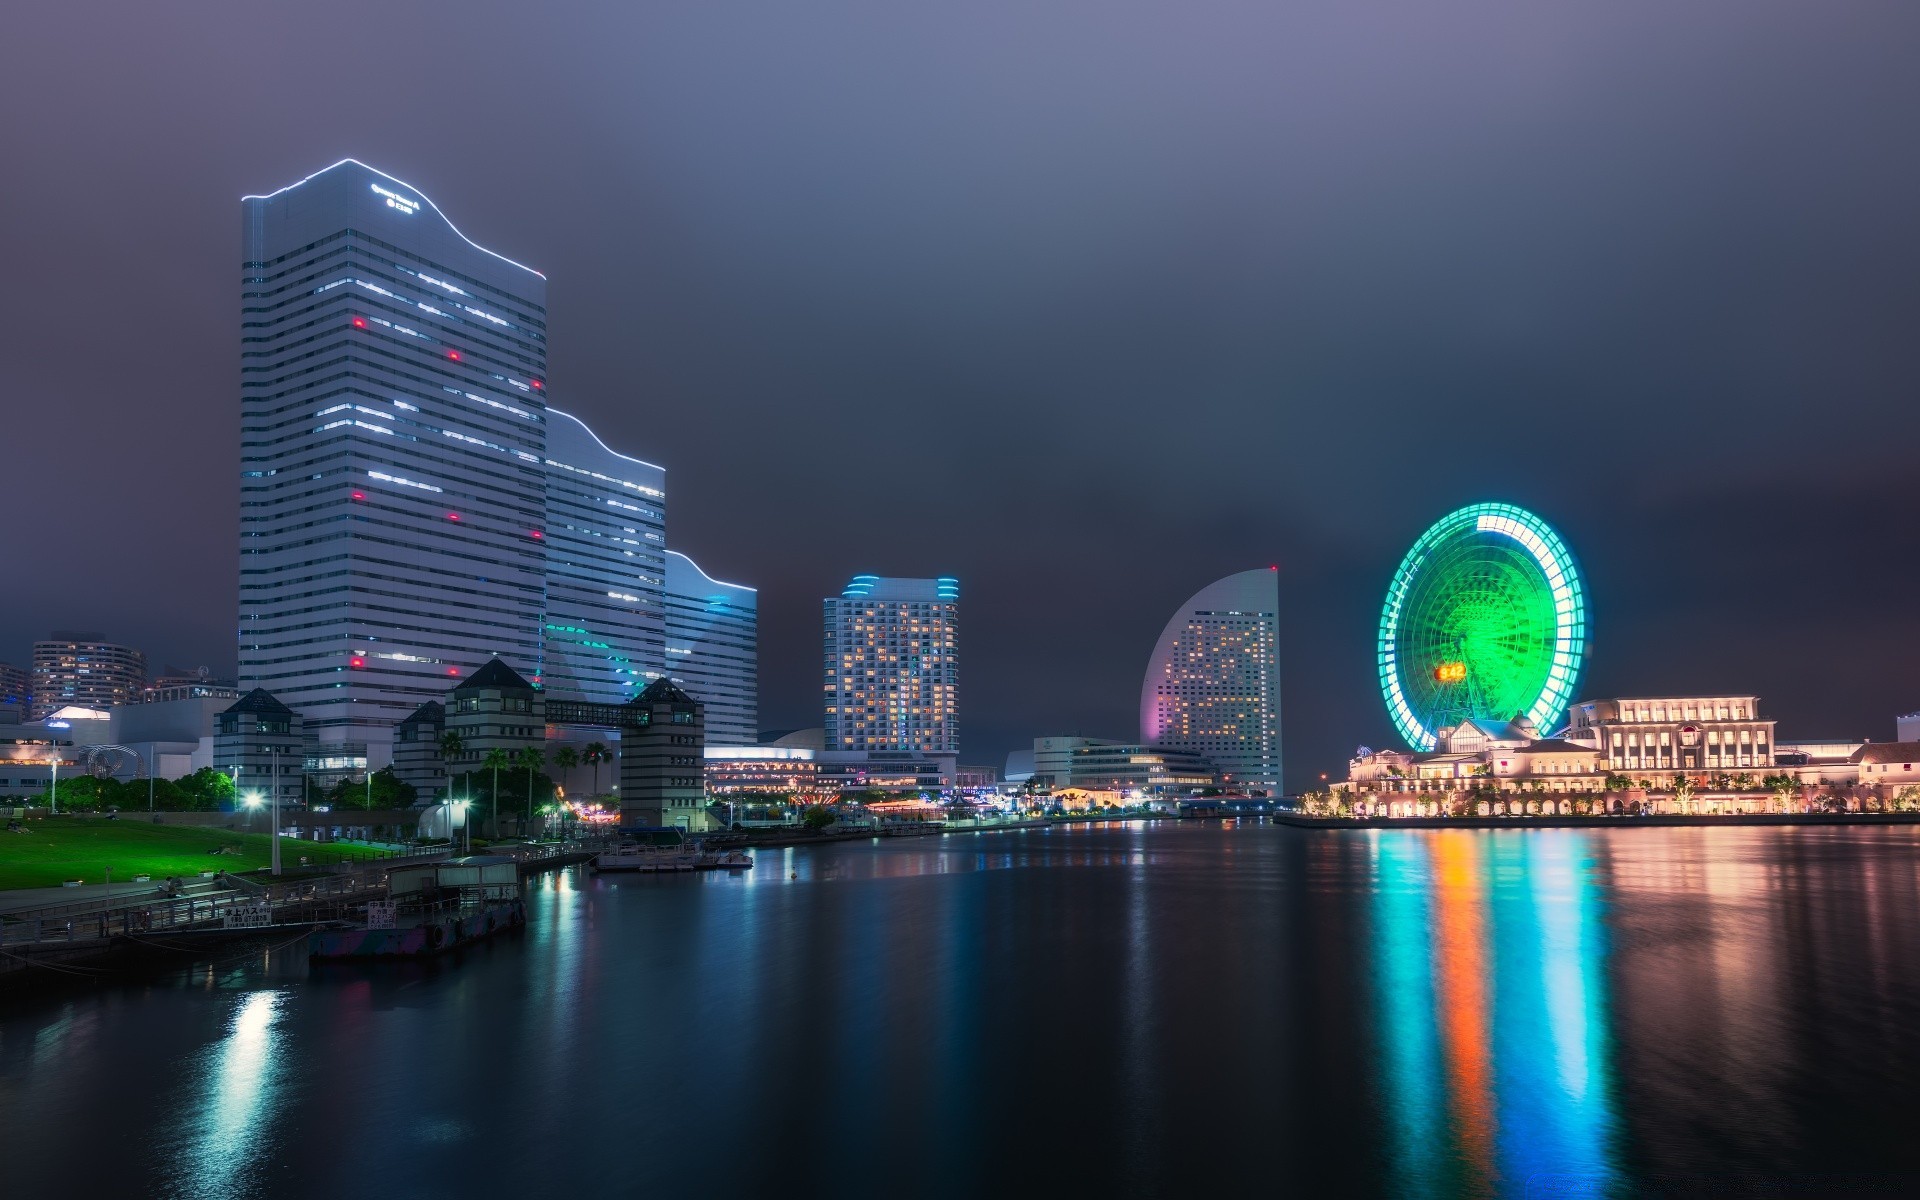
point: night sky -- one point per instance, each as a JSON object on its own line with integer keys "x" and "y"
{"x": 1085, "y": 303}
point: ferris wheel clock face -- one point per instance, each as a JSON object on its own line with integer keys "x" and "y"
{"x": 1486, "y": 619}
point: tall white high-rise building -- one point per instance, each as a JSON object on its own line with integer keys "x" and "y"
{"x": 394, "y": 430}
{"x": 1213, "y": 683}
{"x": 713, "y": 649}
{"x": 891, "y": 665}
{"x": 606, "y": 533}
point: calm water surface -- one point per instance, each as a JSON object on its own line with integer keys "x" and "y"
{"x": 1138, "y": 1009}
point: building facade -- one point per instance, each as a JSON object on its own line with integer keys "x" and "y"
{"x": 495, "y": 708}
{"x": 1100, "y": 764}
{"x": 1212, "y": 686}
{"x": 604, "y": 634}
{"x": 15, "y": 691}
{"x": 1709, "y": 734}
{"x": 663, "y": 761}
{"x": 263, "y": 745}
{"x": 766, "y": 770}
{"x": 713, "y": 649}
{"x": 417, "y": 758}
{"x": 393, "y": 435}
{"x": 86, "y": 670}
{"x": 892, "y": 665}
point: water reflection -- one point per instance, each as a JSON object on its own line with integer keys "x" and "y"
{"x": 1489, "y": 977}
{"x": 229, "y": 1128}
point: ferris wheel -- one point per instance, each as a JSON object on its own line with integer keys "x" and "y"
{"x": 1486, "y": 619}
{"x": 107, "y": 761}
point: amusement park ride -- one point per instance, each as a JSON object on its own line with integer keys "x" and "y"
{"x": 1485, "y": 620}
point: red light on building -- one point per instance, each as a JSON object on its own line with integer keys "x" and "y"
{"x": 537, "y": 533}
{"x": 359, "y": 495}
{"x": 453, "y": 516}
{"x": 453, "y": 670}
{"x": 537, "y": 384}
{"x": 356, "y": 661}
{"x": 359, "y": 322}
{"x": 454, "y": 355}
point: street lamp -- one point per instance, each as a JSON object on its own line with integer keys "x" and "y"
{"x": 253, "y": 800}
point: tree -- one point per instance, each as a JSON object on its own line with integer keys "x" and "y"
{"x": 817, "y": 817}
{"x": 206, "y": 790}
{"x": 495, "y": 761}
{"x": 452, "y": 746}
{"x": 1617, "y": 782}
{"x": 595, "y": 754}
{"x": 530, "y": 759}
{"x": 566, "y": 759}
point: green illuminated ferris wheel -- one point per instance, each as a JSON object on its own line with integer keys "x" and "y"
{"x": 1486, "y": 619}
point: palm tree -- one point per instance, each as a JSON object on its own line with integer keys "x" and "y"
{"x": 452, "y": 746}
{"x": 596, "y": 753}
{"x": 566, "y": 759}
{"x": 496, "y": 761}
{"x": 531, "y": 759}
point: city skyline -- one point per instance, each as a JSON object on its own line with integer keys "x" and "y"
{"x": 783, "y": 298}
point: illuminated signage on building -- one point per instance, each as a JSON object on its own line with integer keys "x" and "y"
{"x": 396, "y": 200}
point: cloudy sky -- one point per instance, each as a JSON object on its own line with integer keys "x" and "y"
{"x": 1085, "y": 303}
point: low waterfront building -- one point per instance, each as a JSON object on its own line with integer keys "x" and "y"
{"x": 1684, "y": 754}
{"x": 262, "y": 744}
{"x": 1888, "y": 767}
{"x": 1675, "y": 734}
{"x": 768, "y": 770}
{"x": 1119, "y": 768}
{"x": 494, "y": 708}
{"x": 662, "y": 760}
{"x": 417, "y": 758}
{"x": 846, "y": 771}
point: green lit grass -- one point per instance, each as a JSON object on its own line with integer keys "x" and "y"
{"x": 56, "y": 849}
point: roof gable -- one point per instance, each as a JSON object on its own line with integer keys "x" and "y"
{"x": 495, "y": 674}
{"x": 259, "y": 700}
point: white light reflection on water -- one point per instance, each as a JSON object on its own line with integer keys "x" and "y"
{"x": 224, "y": 1138}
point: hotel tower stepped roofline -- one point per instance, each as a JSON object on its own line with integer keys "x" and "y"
{"x": 604, "y": 634}
{"x": 1212, "y": 686}
{"x": 393, "y": 430}
{"x": 713, "y": 649}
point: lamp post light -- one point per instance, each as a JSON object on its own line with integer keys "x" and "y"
{"x": 53, "y": 782}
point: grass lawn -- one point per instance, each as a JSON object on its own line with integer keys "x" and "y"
{"x": 56, "y": 849}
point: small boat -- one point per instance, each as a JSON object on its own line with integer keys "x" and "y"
{"x": 726, "y": 860}
{"x": 647, "y": 859}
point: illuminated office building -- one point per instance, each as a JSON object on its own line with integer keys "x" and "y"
{"x": 393, "y": 437}
{"x": 84, "y": 670}
{"x": 604, "y": 634}
{"x": 1213, "y": 684}
{"x": 892, "y": 667}
{"x": 713, "y": 649}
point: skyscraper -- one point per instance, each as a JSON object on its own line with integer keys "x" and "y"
{"x": 713, "y": 649}
{"x": 1213, "y": 683}
{"x": 86, "y": 670}
{"x": 393, "y": 440}
{"x": 605, "y": 630}
{"x": 892, "y": 667}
